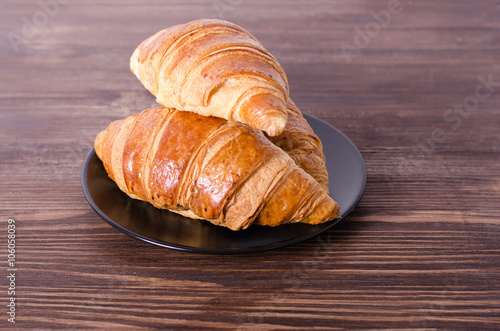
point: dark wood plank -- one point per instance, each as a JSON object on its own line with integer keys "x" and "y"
{"x": 420, "y": 251}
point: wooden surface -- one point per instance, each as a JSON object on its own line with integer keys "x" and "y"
{"x": 421, "y": 250}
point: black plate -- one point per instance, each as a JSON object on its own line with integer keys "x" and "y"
{"x": 141, "y": 220}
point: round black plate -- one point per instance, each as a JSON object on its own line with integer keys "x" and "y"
{"x": 141, "y": 220}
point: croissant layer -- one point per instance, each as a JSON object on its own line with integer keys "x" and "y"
{"x": 214, "y": 68}
{"x": 209, "y": 168}
{"x": 300, "y": 142}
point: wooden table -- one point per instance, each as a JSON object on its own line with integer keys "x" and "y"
{"x": 415, "y": 85}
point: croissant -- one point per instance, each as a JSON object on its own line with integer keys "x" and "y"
{"x": 300, "y": 142}
{"x": 209, "y": 168}
{"x": 214, "y": 68}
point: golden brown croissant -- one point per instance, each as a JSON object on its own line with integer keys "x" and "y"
{"x": 209, "y": 168}
{"x": 214, "y": 68}
{"x": 300, "y": 142}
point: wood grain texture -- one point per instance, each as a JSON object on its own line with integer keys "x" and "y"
{"x": 421, "y": 250}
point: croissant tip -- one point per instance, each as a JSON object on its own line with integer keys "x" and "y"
{"x": 98, "y": 143}
{"x": 272, "y": 131}
{"x": 276, "y": 128}
{"x": 134, "y": 62}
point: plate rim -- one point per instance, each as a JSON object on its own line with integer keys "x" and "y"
{"x": 229, "y": 251}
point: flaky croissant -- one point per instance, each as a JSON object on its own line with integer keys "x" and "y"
{"x": 300, "y": 142}
{"x": 214, "y": 68}
{"x": 209, "y": 168}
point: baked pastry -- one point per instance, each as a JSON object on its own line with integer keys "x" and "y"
{"x": 214, "y": 68}
{"x": 209, "y": 168}
{"x": 300, "y": 142}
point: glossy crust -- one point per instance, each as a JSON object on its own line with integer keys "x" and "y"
{"x": 209, "y": 168}
{"x": 214, "y": 68}
{"x": 300, "y": 142}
